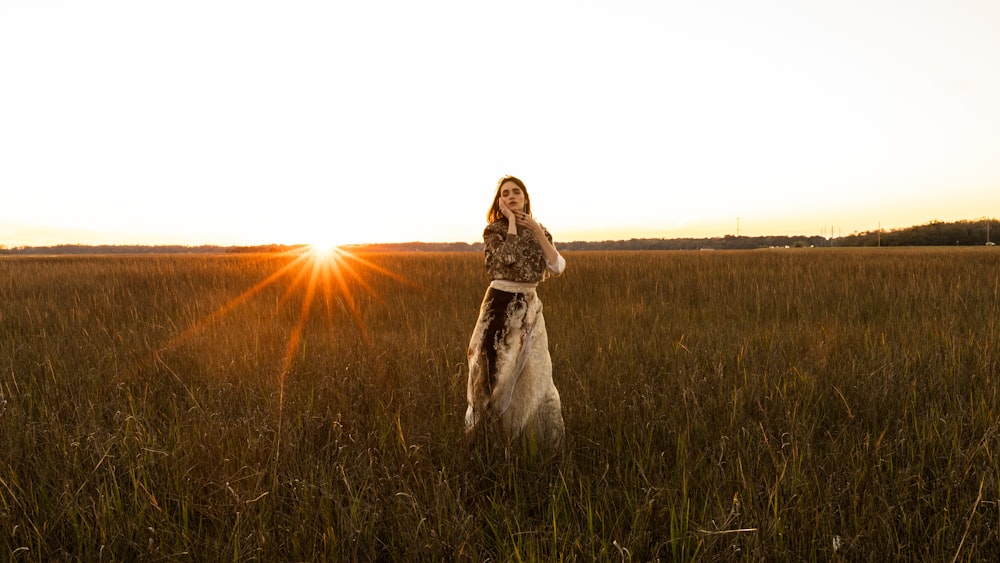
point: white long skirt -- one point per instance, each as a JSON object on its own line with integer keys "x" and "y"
{"x": 522, "y": 398}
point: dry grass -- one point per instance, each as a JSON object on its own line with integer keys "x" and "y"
{"x": 776, "y": 405}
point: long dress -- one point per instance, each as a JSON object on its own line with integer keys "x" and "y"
{"x": 510, "y": 369}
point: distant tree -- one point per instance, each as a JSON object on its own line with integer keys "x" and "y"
{"x": 935, "y": 233}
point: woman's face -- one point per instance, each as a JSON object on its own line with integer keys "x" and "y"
{"x": 512, "y": 196}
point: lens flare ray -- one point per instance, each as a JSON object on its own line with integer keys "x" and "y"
{"x": 317, "y": 273}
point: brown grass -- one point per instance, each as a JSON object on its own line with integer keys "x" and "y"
{"x": 757, "y": 405}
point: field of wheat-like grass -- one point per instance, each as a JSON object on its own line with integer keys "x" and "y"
{"x": 799, "y": 404}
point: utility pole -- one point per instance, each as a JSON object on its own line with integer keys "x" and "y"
{"x": 737, "y": 226}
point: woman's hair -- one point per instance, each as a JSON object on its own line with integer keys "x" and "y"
{"x": 494, "y": 213}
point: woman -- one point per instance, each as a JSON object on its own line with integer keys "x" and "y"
{"x": 510, "y": 370}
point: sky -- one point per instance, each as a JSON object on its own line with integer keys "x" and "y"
{"x": 256, "y": 122}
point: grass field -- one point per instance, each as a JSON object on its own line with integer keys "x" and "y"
{"x": 800, "y": 404}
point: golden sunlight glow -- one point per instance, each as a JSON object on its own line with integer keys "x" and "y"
{"x": 324, "y": 251}
{"x": 324, "y": 274}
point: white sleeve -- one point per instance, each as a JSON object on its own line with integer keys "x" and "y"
{"x": 559, "y": 266}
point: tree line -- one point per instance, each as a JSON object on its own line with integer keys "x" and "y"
{"x": 935, "y": 233}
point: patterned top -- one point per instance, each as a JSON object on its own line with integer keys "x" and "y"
{"x": 515, "y": 258}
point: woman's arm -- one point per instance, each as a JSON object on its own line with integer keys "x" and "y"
{"x": 503, "y": 247}
{"x": 555, "y": 262}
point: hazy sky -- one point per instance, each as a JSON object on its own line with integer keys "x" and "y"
{"x": 246, "y": 122}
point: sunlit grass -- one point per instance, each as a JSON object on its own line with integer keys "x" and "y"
{"x": 781, "y": 405}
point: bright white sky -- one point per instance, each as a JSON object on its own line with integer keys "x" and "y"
{"x": 251, "y": 122}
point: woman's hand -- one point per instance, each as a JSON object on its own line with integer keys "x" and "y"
{"x": 507, "y": 212}
{"x": 525, "y": 220}
{"x": 511, "y": 219}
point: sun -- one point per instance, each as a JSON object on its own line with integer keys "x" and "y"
{"x": 324, "y": 250}
{"x": 324, "y": 246}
